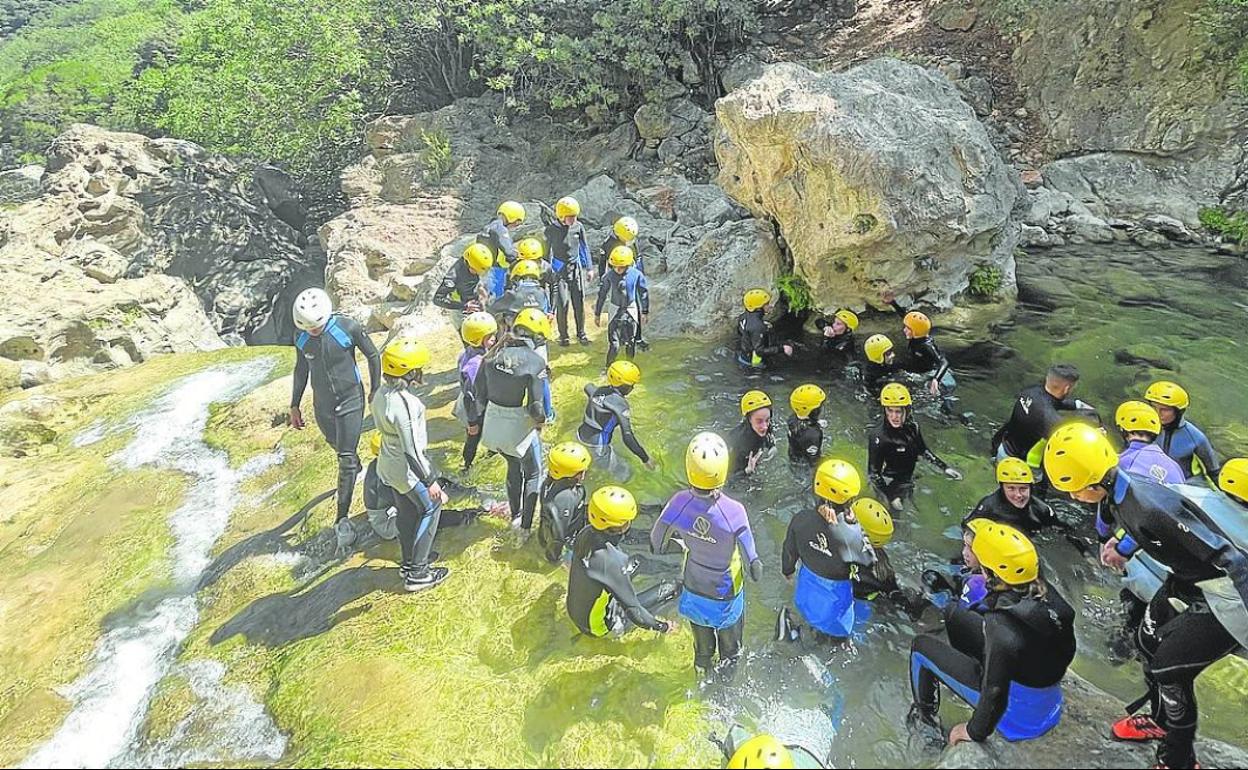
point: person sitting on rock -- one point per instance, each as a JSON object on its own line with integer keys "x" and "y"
{"x": 755, "y": 349}
{"x": 1180, "y": 439}
{"x": 895, "y": 446}
{"x": 837, "y": 337}
{"x": 629, "y": 292}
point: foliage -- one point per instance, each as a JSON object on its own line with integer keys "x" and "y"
{"x": 15, "y": 14}
{"x": 1225, "y": 24}
{"x": 1233, "y": 226}
{"x": 436, "y": 158}
{"x": 796, "y": 292}
{"x": 985, "y": 281}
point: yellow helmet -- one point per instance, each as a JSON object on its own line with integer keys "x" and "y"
{"x": 895, "y": 394}
{"x": 567, "y": 206}
{"x": 477, "y": 327}
{"x": 877, "y": 347}
{"x": 568, "y": 459}
{"x": 1135, "y": 416}
{"x": 1233, "y": 478}
{"x": 511, "y": 212}
{"x": 1167, "y": 393}
{"x": 622, "y": 373}
{"x": 837, "y": 481}
{"x": 918, "y": 323}
{"x": 479, "y": 258}
{"x": 706, "y": 461}
{"x": 625, "y": 228}
{"x": 374, "y": 443}
{"x": 849, "y": 318}
{"x": 1077, "y": 456}
{"x": 403, "y": 355}
{"x": 875, "y": 520}
{"x": 530, "y": 248}
{"x": 806, "y": 399}
{"x": 534, "y": 321}
{"x": 756, "y": 299}
{"x": 762, "y": 751}
{"x": 526, "y": 268}
{"x": 611, "y": 507}
{"x": 1004, "y": 551}
{"x": 1012, "y": 470}
{"x": 621, "y": 256}
{"x": 753, "y": 401}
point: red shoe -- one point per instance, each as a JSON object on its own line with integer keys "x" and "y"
{"x": 1137, "y": 729}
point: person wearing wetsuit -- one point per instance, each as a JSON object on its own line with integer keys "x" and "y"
{"x": 479, "y": 332}
{"x": 752, "y": 440}
{"x": 563, "y": 499}
{"x": 1013, "y": 502}
{"x": 527, "y": 291}
{"x": 624, "y": 233}
{"x": 881, "y": 366}
{"x": 511, "y": 385}
{"x": 403, "y": 461}
{"x": 629, "y": 293}
{"x": 462, "y": 290}
{"x": 1037, "y": 411}
{"x": 744, "y": 750}
{"x": 837, "y": 337}
{"x": 1180, "y": 439}
{"x": 805, "y": 427}
{"x": 569, "y": 258}
{"x": 607, "y": 410}
{"x": 1233, "y": 480}
{"x": 895, "y": 446}
{"x": 755, "y": 349}
{"x": 1184, "y": 630}
{"x": 831, "y": 549}
{"x": 926, "y": 360}
{"x": 325, "y": 351}
{"x": 601, "y": 598}
{"x": 497, "y": 237}
{"x": 1006, "y": 657}
{"x": 714, "y": 532}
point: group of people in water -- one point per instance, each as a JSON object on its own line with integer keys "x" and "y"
{"x": 1170, "y": 516}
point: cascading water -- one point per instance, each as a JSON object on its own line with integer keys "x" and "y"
{"x": 111, "y": 700}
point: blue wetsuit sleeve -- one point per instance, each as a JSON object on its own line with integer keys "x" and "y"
{"x": 300, "y": 383}
{"x": 583, "y": 254}
{"x": 1208, "y": 458}
{"x": 643, "y": 293}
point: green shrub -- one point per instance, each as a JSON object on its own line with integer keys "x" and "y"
{"x": 1232, "y": 226}
{"x": 436, "y": 157}
{"x": 1225, "y": 24}
{"x": 796, "y": 292}
{"x": 985, "y": 281}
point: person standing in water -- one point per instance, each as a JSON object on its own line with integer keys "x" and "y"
{"x": 629, "y": 293}
{"x": 326, "y": 348}
{"x": 1013, "y": 503}
{"x": 894, "y": 448}
{"x": 837, "y": 337}
{"x": 926, "y": 359}
{"x": 1037, "y": 411}
{"x": 752, "y": 440}
{"x": 563, "y": 499}
{"x": 881, "y": 366}
{"x": 805, "y": 427}
{"x": 403, "y": 462}
{"x": 606, "y": 411}
{"x": 714, "y": 532}
{"x": 755, "y": 349}
{"x": 1180, "y": 439}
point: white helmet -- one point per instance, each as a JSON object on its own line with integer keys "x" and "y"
{"x": 312, "y": 309}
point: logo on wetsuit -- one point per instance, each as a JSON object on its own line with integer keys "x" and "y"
{"x": 702, "y": 531}
{"x": 1157, "y": 472}
{"x": 820, "y": 544}
{"x": 1025, "y": 403}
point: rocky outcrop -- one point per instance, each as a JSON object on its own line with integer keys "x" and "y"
{"x": 117, "y": 207}
{"x": 881, "y": 180}
{"x": 1140, "y": 120}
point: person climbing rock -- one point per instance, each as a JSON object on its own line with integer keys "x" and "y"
{"x": 326, "y": 348}
{"x": 836, "y": 337}
{"x": 601, "y": 598}
{"x": 479, "y": 332}
{"x": 926, "y": 360}
{"x": 569, "y": 258}
{"x": 511, "y": 385}
{"x": 805, "y": 427}
{"x": 1013, "y": 502}
{"x": 881, "y": 367}
{"x": 563, "y": 499}
{"x": 1180, "y": 439}
{"x": 497, "y": 237}
{"x": 1037, "y": 411}
{"x": 755, "y": 348}
{"x": 713, "y": 530}
{"x": 403, "y": 462}
{"x": 1007, "y": 659}
{"x": 895, "y": 446}
{"x": 1198, "y": 615}
{"x": 463, "y": 290}
{"x": 626, "y": 286}
{"x": 825, "y": 548}
{"x": 606, "y": 411}
{"x": 752, "y": 441}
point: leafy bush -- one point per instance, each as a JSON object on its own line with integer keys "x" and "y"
{"x": 985, "y": 281}
{"x": 796, "y": 292}
{"x": 1232, "y": 226}
{"x": 1225, "y": 23}
{"x": 436, "y": 158}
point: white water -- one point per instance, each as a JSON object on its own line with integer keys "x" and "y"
{"x": 111, "y": 700}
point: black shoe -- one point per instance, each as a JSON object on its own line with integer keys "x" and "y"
{"x": 428, "y": 578}
{"x": 583, "y": 339}
{"x": 563, "y": 343}
{"x": 642, "y": 344}
{"x": 925, "y": 725}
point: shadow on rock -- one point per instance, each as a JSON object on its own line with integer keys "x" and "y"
{"x": 269, "y": 542}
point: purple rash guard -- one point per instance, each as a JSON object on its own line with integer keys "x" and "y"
{"x": 711, "y": 528}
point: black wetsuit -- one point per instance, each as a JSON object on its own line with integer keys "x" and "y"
{"x": 926, "y": 359}
{"x": 745, "y": 445}
{"x": 1016, "y": 639}
{"x": 892, "y": 454}
{"x": 563, "y": 515}
{"x": 630, "y": 294}
{"x": 514, "y": 376}
{"x": 328, "y": 361}
{"x": 876, "y": 376}
{"x": 879, "y": 579}
{"x": 523, "y": 294}
{"x": 601, "y": 598}
{"x": 1036, "y": 413}
{"x": 805, "y": 438}
{"x": 458, "y": 288}
{"x": 996, "y": 507}
{"x": 609, "y": 246}
{"x": 839, "y": 350}
{"x": 833, "y": 552}
{"x": 606, "y": 411}
{"x": 569, "y": 256}
{"x": 1176, "y": 646}
{"x": 754, "y": 340}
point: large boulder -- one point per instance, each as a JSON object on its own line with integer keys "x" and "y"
{"x": 881, "y": 179}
